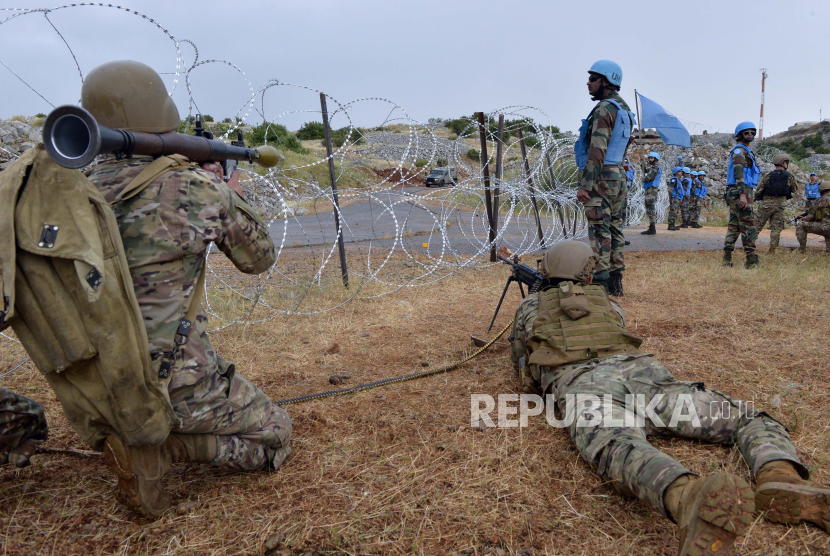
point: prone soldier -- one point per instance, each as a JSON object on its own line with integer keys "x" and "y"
{"x": 772, "y": 194}
{"x": 570, "y": 339}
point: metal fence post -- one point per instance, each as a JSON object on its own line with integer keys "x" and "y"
{"x": 530, "y": 186}
{"x": 341, "y": 247}
{"x": 488, "y": 202}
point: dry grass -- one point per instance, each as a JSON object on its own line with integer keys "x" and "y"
{"x": 399, "y": 470}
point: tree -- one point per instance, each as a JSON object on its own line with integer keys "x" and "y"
{"x": 311, "y": 130}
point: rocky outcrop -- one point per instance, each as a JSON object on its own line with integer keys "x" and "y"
{"x": 18, "y": 135}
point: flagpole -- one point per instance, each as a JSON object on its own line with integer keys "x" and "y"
{"x": 639, "y": 123}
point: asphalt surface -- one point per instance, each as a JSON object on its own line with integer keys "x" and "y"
{"x": 367, "y": 224}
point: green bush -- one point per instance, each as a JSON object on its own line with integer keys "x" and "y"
{"x": 311, "y": 130}
{"x": 459, "y": 126}
{"x": 276, "y": 135}
{"x": 725, "y": 145}
{"x": 473, "y": 154}
{"x": 531, "y": 141}
{"x": 207, "y": 118}
{"x": 452, "y": 137}
{"x": 40, "y": 115}
{"x": 339, "y": 136}
{"x": 420, "y": 163}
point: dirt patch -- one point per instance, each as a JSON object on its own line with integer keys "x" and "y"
{"x": 399, "y": 470}
{"x": 401, "y": 175}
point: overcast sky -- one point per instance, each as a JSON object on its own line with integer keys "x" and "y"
{"x": 440, "y": 58}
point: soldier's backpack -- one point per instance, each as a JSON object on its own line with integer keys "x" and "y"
{"x": 68, "y": 295}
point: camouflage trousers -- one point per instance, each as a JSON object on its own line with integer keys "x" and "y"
{"x": 251, "y": 432}
{"x": 22, "y": 428}
{"x": 674, "y": 210}
{"x": 684, "y": 209}
{"x": 819, "y": 228}
{"x": 694, "y": 209}
{"x": 808, "y": 203}
{"x": 771, "y": 209}
{"x": 606, "y": 215}
{"x": 621, "y": 453}
{"x": 651, "y": 204}
{"x": 741, "y": 223}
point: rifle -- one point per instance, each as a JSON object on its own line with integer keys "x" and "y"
{"x": 522, "y": 274}
{"x": 230, "y": 165}
{"x": 797, "y": 218}
{"x": 73, "y": 139}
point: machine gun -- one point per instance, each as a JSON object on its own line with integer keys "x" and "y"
{"x": 522, "y": 274}
{"x": 73, "y": 139}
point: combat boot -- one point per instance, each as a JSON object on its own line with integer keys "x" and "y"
{"x": 139, "y": 472}
{"x": 615, "y": 286}
{"x": 727, "y": 257}
{"x": 711, "y": 512}
{"x": 685, "y": 224}
{"x": 652, "y": 230}
{"x": 199, "y": 448}
{"x": 787, "y": 498}
{"x": 696, "y": 225}
{"x": 673, "y": 228}
{"x": 752, "y": 260}
{"x": 772, "y": 249}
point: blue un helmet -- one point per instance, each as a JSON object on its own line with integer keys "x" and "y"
{"x": 687, "y": 170}
{"x": 655, "y": 155}
{"x": 610, "y": 70}
{"x": 694, "y": 173}
{"x": 701, "y": 173}
{"x": 743, "y": 126}
{"x": 676, "y": 169}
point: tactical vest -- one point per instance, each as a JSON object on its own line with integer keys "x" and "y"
{"x": 687, "y": 183}
{"x": 656, "y": 181}
{"x": 677, "y": 188}
{"x": 811, "y": 190}
{"x": 616, "y": 144}
{"x": 576, "y": 323}
{"x": 778, "y": 185}
{"x": 701, "y": 189}
{"x": 71, "y": 300}
{"x": 752, "y": 175}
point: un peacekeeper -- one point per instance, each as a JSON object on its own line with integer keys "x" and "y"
{"x": 811, "y": 192}
{"x": 742, "y": 176}
{"x": 772, "y": 194}
{"x": 676, "y": 194}
{"x": 601, "y": 357}
{"x": 629, "y": 179}
{"x": 166, "y": 230}
{"x": 699, "y": 192}
{"x": 651, "y": 187}
{"x": 817, "y": 220}
{"x": 22, "y": 428}
{"x": 600, "y": 149}
{"x": 687, "y": 195}
{"x": 693, "y": 200}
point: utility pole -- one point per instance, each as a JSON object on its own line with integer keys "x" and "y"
{"x": 763, "y": 82}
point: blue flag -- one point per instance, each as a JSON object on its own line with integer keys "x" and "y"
{"x": 668, "y": 126}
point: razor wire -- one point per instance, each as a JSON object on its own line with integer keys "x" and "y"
{"x": 399, "y": 235}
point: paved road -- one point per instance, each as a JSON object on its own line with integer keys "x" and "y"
{"x": 367, "y": 223}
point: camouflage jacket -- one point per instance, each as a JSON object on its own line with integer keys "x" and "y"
{"x": 166, "y": 231}
{"x": 739, "y": 162}
{"x": 22, "y": 428}
{"x": 650, "y": 172}
{"x": 820, "y": 210}
{"x": 601, "y": 125}
{"x": 759, "y": 189}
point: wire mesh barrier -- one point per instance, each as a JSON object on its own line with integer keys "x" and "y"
{"x": 396, "y": 232}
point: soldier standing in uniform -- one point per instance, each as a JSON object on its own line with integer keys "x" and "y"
{"x": 676, "y": 194}
{"x": 601, "y": 357}
{"x": 687, "y": 196}
{"x": 600, "y": 149}
{"x": 742, "y": 176}
{"x": 653, "y": 175}
{"x": 166, "y": 231}
{"x": 699, "y": 192}
{"x": 772, "y": 194}
{"x": 811, "y": 192}
{"x": 22, "y": 428}
{"x": 629, "y": 177}
{"x": 817, "y": 220}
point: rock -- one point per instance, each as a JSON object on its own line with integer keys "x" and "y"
{"x": 440, "y": 446}
{"x": 404, "y": 303}
{"x": 364, "y": 334}
{"x": 452, "y": 428}
{"x": 272, "y": 542}
{"x": 185, "y": 507}
{"x": 305, "y": 341}
{"x": 287, "y": 295}
{"x": 408, "y": 264}
{"x": 425, "y": 363}
{"x": 339, "y": 379}
{"x": 775, "y": 401}
{"x": 334, "y": 348}
{"x": 488, "y": 371}
{"x": 300, "y": 211}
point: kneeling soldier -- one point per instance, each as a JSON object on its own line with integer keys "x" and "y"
{"x": 817, "y": 220}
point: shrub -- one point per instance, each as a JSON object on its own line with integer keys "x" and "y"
{"x": 725, "y": 145}
{"x": 339, "y": 136}
{"x": 531, "y": 141}
{"x": 452, "y": 137}
{"x": 207, "y": 118}
{"x": 420, "y": 163}
{"x": 311, "y": 130}
{"x": 227, "y": 121}
{"x": 473, "y": 154}
{"x": 40, "y": 115}
{"x": 274, "y": 134}
{"x": 459, "y": 125}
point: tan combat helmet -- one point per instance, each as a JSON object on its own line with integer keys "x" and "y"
{"x": 570, "y": 260}
{"x": 780, "y": 159}
{"x": 825, "y": 186}
{"x": 129, "y": 95}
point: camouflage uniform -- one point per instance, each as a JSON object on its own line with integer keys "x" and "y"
{"x": 651, "y": 193}
{"x": 685, "y": 204}
{"x": 622, "y": 455}
{"x": 674, "y": 202}
{"x": 771, "y": 208}
{"x": 605, "y": 210}
{"x": 166, "y": 230}
{"x": 22, "y": 428}
{"x": 820, "y": 210}
{"x": 740, "y": 220}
